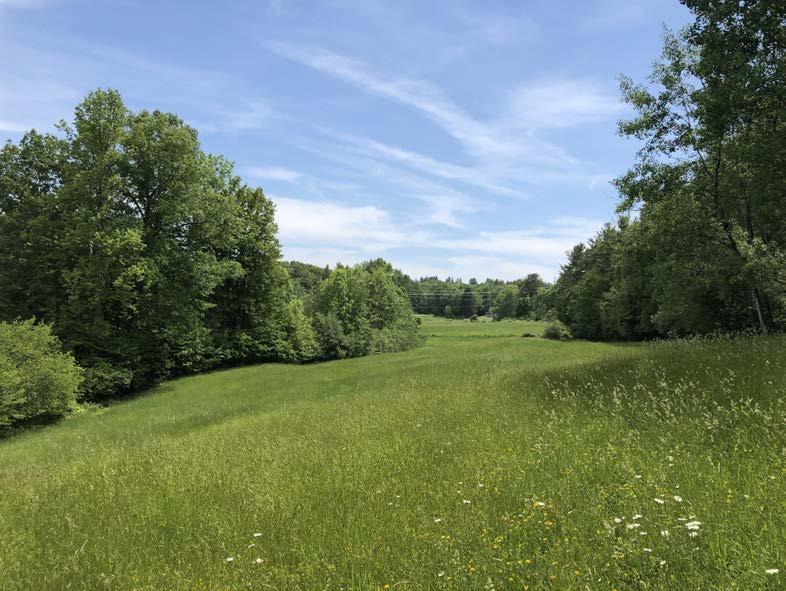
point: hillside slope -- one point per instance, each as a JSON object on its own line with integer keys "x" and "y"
{"x": 480, "y": 460}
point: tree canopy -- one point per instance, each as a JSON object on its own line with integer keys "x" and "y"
{"x": 150, "y": 258}
{"x": 706, "y": 249}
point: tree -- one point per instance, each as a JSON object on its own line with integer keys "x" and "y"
{"x": 714, "y": 138}
{"x": 466, "y": 305}
{"x": 149, "y": 257}
{"x": 360, "y": 310}
{"x": 507, "y": 303}
{"x": 37, "y": 380}
{"x": 528, "y": 290}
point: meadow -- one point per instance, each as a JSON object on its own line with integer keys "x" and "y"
{"x": 480, "y": 460}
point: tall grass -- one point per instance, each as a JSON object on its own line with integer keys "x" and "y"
{"x": 481, "y": 460}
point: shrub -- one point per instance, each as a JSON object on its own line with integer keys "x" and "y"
{"x": 557, "y": 331}
{"x": 473, "y": 318}
{"x": 37, "y": 380}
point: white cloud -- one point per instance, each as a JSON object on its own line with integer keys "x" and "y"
{"x": 273, "y": 173}
{"x": 442, "y": 209}
{"x": 442, "y": 203}
{"x": 367, "y": 228}
{"x": 323, "y": 232}
{"x": 541, "y": 247}
{"x": 560, "y": 103}
{"x": 483, "y": 267}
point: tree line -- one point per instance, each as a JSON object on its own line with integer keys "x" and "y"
{"x": 452, "y": 298}
{"x": 149, "y": 258}
{"x": 701, "y": 244}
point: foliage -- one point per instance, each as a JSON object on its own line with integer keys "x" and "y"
{"x": 37, "y": 380}
{"x": 707, "y": 251}
{"x": 305, "y": 277}
{"x": 149, "y": 257}
{"x": 557, "y": 331}
{"x": 452, "y": 298}
{"x": 506, "y": 305}
{"x": 360, "y": 310}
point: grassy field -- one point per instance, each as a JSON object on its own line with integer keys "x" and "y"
{"x": 481, "y": 460}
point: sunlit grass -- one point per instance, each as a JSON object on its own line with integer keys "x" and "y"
{"x": 479, "y": 460}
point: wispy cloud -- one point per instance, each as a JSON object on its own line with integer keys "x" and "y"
{"x": 498, "y": 29}
{"x": 555, "y": 103}
{"x": 273, "y": 173}
{"x": 252, "y": 116}
{"x": 481, "y": 140}
{"x": 13, "y": 126}
{"x": 541, "y": 247}
{"x": 503, "y": 149}
{"x": 612, "y": 14}
{"x": 438, "y": 168}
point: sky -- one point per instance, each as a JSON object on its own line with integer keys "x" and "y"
{"x": 453, "y": 138}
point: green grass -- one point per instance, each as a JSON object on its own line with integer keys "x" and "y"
{"x": 480, "y": 460}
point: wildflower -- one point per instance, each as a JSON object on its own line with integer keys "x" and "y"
{"x": 637, "y": 516}
{"x": 772, "y": 571}
{"x": 662, "y": 562}
{"x": 678, "y": 498}
{"x": 693, "y": 525}
{"x": 259, "y": 561}
{"x": 664, "y": 533}
{"x": 230, "y": 559}
{"x": 659, "y": 501}
{"x": 633, "y": 525}
{"x": 438, "y": 520}
{"x": 637, "y": 476}
{"x": 648, "y": 549}
{"x": 467, "y": 501}
{"x": 251, "y": 545}
{"x": 617, "y": 520}
{"x": 257, "y": 535}
{"x": 539, "y": 504}
{"x": 693, "y": 534}
{"x": 441, "y": 573}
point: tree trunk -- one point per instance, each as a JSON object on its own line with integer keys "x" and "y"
{"x": 756, "y": 297}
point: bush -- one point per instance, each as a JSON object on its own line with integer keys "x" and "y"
{"x": 557, "y": 331}
{"x": 37, "y": 380}
{"x": 473, "y": 318}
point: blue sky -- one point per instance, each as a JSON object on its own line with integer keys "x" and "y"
{"x": 470, "y": 139}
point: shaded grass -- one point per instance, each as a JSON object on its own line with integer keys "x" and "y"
{"x": 469, "y": 463}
